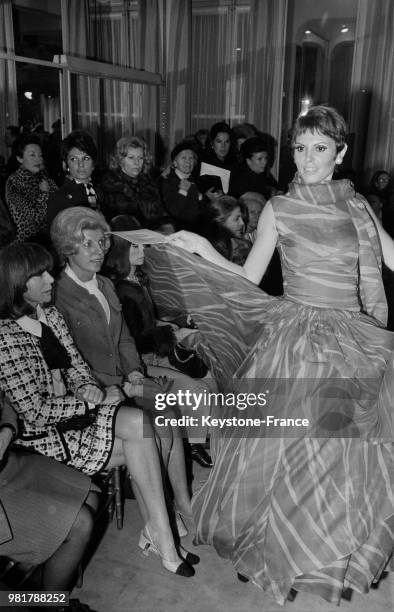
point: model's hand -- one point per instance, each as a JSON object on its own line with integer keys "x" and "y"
{"x": 189, "y": 241}
{"x": 113, "y": 395}
{"x": 90, "y": 393}
{"x": 6, "y": 435}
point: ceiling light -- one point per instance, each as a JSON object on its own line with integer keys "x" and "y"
{"x": 28, "y": 95}
{"x": 308, "y": 32}
{"x": 344, "y": 29}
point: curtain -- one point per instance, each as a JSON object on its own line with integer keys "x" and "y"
{"x": 8, "y": 95}
{"x": 123, "y": 34}
{"x": 373, "y": 87}
{"x": 218, "y": 63}
{"x": 267, "y": 39}
{"x": 175, "y": 108}
{"x": 210, "y": 68}
{"x": 76, "y": 33}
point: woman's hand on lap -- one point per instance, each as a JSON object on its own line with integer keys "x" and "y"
{"x": 113, "y": 395}
{"x": 90, "y": 393}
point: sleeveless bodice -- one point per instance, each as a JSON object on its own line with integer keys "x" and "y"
{"x": 318, "y": 245}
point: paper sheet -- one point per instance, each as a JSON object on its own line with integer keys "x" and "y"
{"x": 142, "y": 236}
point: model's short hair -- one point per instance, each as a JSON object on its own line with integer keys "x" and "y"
{"x": 20, "y": 261}
{"x": 68, "y": 226}
{"x": 79, "y": 139}
{"x": 130, "y": 142}
{"x": 323, "y": 119}
{"x": 21, "y": 143}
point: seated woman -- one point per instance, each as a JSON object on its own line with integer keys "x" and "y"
{"x": 182, "y": 198}
{"x": 158, "y": 344}
{"x": 46, "y": 513}
{"x": 28, "y": 190}
{"x": 255, "y": 203}
{"x": 129, "y": 188}
{"x": 224, "y": 226}
{"x": 379, "y": 193}
{"x": 254, "y": 173}
{"x": 79, "y": 154}
{"x": 63, "y": 411}
{"x": 220, "y": 151}
{"x": 93, "y": 314}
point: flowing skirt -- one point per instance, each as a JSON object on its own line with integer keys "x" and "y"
{"x": 305, "y": 507}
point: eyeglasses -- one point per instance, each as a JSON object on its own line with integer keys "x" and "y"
{"x": 103, "y": 244}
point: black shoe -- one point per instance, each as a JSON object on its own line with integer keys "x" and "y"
{"x": 199, "y": 454}
{"x": 242, "y": 578}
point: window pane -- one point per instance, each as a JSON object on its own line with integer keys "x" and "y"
{"x": 38, "y": 96}
{"x": 110, "y": 109}
{"x": 37, "y": 28}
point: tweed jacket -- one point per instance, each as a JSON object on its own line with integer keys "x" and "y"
{"x": 109, "y": 350}
{"x": 7, "y": 415}
{"x": 27, "y": 381}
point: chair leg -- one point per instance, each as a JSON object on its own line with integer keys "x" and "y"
{"x": 118, "y": 497}
{"x": 110, "y": 496}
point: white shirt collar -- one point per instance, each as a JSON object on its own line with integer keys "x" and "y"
{"x": 33, "y": 326}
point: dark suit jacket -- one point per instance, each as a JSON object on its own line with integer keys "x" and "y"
{"x": 108, "y": 349}
{"x": 69, "y": 194}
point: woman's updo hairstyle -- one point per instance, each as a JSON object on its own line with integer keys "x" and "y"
{"x": 123, "y": 145}
{"x": 69, "y": 225}
{"x": 78, "y": 139}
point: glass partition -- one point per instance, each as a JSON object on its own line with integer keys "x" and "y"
{"x": 110, "y": 109}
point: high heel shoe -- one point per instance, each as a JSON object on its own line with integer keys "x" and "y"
{"x": 189, "y": 557}
{"x": 180, "y": 568}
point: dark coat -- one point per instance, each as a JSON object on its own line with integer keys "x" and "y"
{"x": 246, "y": 180}
{"x": 70, "y": 194}
{"x": 124, "y": 195}
{"x": 187, "y": 209}
{"x": 139, "y": 313}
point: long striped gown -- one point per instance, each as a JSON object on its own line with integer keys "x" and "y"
{"x": 310, "y": 509}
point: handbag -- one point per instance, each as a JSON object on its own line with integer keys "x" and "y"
{"x": 187, "y": 361}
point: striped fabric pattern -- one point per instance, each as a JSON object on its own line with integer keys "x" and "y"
{"x": 313, "y": 510}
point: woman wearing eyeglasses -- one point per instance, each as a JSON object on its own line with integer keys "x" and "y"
{"x": 93, "y": 313}
{"x": 65, "y": 413}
